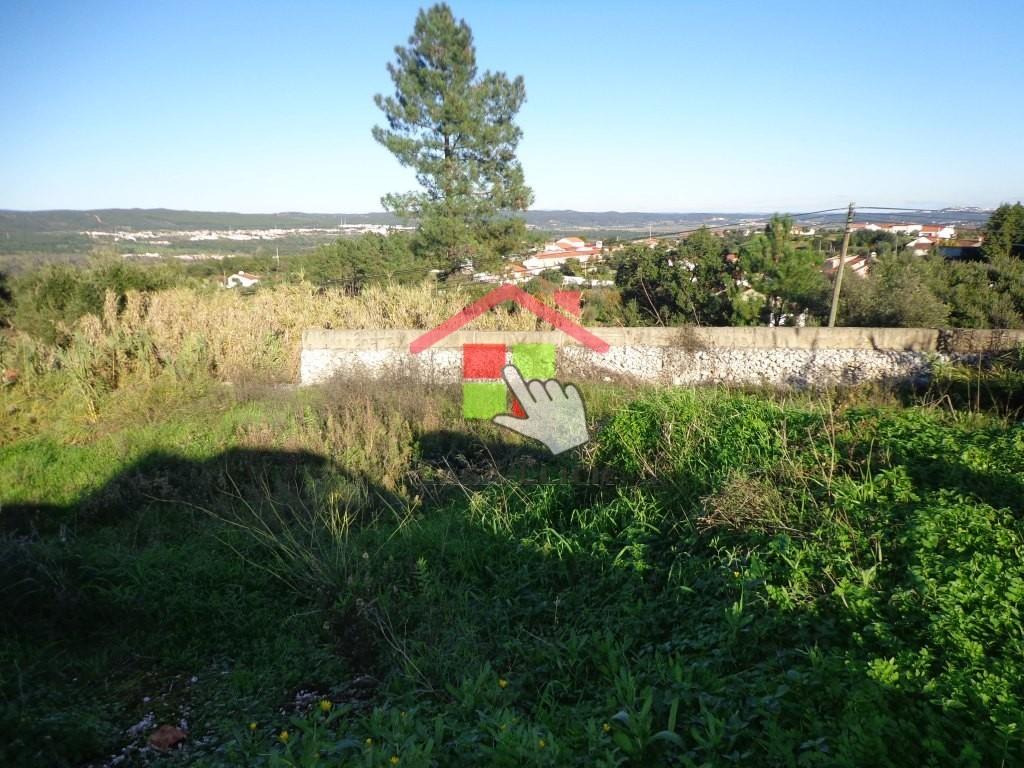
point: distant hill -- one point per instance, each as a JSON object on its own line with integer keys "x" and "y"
{"x": 29, "y": 239}
{"x": 165, "y": 218}
{"x": 107, "y": 219}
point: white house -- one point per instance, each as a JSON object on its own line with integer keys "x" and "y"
{"x": 920, "y": 246}
{"x": 557, "y": 253}
{"x": 857, "y": 226}
{"x": 857, "y": 265}
{"x": 935, "y": 231}
{"x": 241, "y": 280}
{"x": 902, "y": 229}
{"x": 939, "y": 231}
{"x": 517, "y": 273}
{"x": 586, "y": 282}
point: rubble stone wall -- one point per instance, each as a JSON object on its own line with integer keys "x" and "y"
{"x": 786, "y": 357}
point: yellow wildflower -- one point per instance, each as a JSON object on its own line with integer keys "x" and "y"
{"x": 283, "y": 736}
{"x": 502, "y": 682}
{"x": 252, "y": 726}
{"x": 395, "y": 760}
{"x": 541, "y": 744}
{"x": 325, "y": 705}
{"x": 606, "y": 727}
{"x": 369, "y": 742}
{"x": 736, "y": 574}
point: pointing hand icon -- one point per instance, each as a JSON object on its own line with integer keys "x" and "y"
{"x": 554, "y": 414}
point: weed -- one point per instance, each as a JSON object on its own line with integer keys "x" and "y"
{"x": 750, "y": 580}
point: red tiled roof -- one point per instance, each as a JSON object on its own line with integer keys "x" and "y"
{"x": 565, "y": 254}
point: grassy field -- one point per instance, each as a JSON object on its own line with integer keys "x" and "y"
{"x": 356, "y": 576}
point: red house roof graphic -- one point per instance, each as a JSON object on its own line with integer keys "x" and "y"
{"x": 494, "y": 298}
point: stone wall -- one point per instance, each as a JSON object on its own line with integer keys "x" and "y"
{"x": 797, "y": 357}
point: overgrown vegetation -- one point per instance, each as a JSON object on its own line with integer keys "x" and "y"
{"x": 719, "y": 578}
{"x": 47, "y": 302}
{"x": 353, "y": 575}
{"x": 704, "y": 279}
{"x": 729, "y": 280}
{"x": 696, "y": 283}
{"x": 932, "y": 292}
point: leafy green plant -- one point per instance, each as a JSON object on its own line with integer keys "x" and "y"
{"x": 756, "y": 580}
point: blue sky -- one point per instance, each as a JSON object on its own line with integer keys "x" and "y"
{"x": 685, "y": 106}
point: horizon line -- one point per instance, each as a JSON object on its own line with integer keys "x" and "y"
{"x": 838, "y": 210}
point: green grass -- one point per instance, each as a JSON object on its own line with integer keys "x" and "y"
{"x": 719, "y": 579}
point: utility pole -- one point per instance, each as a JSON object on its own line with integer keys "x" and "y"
{"x": 839, "y": 274}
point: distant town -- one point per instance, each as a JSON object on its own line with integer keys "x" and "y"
{"x": 576, "y": 252}
{"x": 166, "y": 237}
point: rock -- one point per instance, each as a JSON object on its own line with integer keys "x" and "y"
{"x": 166, "y": 737}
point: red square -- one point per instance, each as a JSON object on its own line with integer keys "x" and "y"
{"x": 482, "y": 361}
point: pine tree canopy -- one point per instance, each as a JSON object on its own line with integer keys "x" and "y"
{"x": 456, "y": 129}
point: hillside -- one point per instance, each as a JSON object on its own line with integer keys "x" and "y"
{"x": 72, "y": 221}
{"x": 165, "y": 218}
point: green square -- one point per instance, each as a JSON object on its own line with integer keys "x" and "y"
{"x": 534, "y": 361}
{"x": 484, "y": 399}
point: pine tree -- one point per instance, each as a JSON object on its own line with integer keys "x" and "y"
{"x": 1004, "y": 232}
{"x": 456, "y": 129}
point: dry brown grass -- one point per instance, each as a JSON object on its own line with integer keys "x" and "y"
{"x": 183, "y": 336}
{"x": 261, "y": 333}
{"x": 743, "y": 503}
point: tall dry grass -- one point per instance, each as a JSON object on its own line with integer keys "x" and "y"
{"x": 231, "y": 335}
{"x": 261, "y": 332}
{"x": 172, "y": 342}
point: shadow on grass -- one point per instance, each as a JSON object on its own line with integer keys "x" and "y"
{"x": 168, "y": 571}
{"x": 584, "y": 604}
{"x": 241, "y": 475}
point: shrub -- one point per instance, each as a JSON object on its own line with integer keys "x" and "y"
{"x": 48, "y": 301}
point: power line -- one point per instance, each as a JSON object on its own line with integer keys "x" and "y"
{"x": 812, "y": 213}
